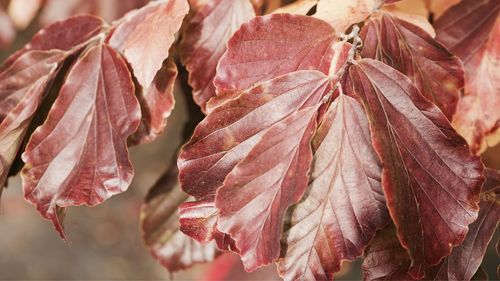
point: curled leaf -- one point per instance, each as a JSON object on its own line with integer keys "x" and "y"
{"x": 160, "y": 230}
{"x": 204, "y": 42}
{"x": 22, "y": 88}
{"x": 144, "y": 36}
{"x": 157, "y": 102}
{"x": 79, "y": 155}
{"x": 429, "y": 195}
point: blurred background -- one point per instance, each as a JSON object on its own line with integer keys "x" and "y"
{"x": 104, "y": 241}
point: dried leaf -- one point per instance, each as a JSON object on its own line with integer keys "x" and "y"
{"x": 342, "y": 14}
{"x": 435, "y": 72}
{"x": 273, "y": 45}
{"x": 157, "y": 102}
{"x": 22, "y": 88}
{"x": 79, "y": 155}
{"x": 430, "y": 195}
{"x": 160, "y": 230}
{"x": 344, "y": 205}
{"x": 411, "y": 17}
{"x": 145, "y": 35}
{"x": 204, "y": 42}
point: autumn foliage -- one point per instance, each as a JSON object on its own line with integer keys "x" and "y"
{"x": 333, "y": 130}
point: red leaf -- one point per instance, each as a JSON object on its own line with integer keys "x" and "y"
{"x": 431, "y": 196}
{"x": 465, "y": 259}
{"x": 477, "y": 117}
{"x": 22, "y": 88}
{"x": 63, "y": 35}
{"x": 145, "y": 35}
{"x": 160, "y": 230}
{"x": 204, "y": 42}
{"x": 274, "y": 45}
{"x": 385, "y": 259}
{"x": 157, "y": 102}
{"x": 255, "y": 195}
{"x": 79, "y": 155}
{"x": 345, "y": 204}
{"x": 435, "y": 72}
{"x": 454, "y": 26}
{"x": 341, "y": 14}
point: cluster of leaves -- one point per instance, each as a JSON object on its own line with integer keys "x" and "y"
{"x": 334, "y": 129}
{"x": 19, "y": 14}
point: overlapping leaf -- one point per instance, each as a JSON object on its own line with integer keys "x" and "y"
{"x": 478, "y": 117}
{"x": 22, "y": 88}
{"x": 385, "y": 259}
{"x": 144, "y": 36}
{"x": 431, "y": 196}
{"x": 344, "y": 205}
{"x": 274, "y": 45}
{"x": 157, "y": 102}
{"x": 435, "y": 72}
{"x": 204, "y": 42}
{"x": 160, "y": 229}
{"x": 79, "y": 155}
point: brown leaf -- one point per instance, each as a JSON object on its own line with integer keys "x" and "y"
{"x": 79, "y": 155}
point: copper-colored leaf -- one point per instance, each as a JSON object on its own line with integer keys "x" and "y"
{"x": 204, "y": 42}
{"x": 385, "y": 259}
{"x": 437, "y": 73}
{"x": 157, "y": 102}
{"x": 22, "y": 88}
{"x": 160, "y": 229}
{"x": 257, "y": 192}
{"x": 477, "y": 118}
{"x": 341, "y": 13}
{"x": 79, "y": 155}
{"x": 231, "y": 131}
{"x": 64, "y": 35}
{"x": 145, "y": 35}
{"x": 273, "y": 45}
{"x": 344, "y": 205}
{"x": 431, "y": 196}
{"x": 465, "y": 259}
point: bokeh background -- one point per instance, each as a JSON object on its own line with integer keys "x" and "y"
{"x": 105, "y": 241}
